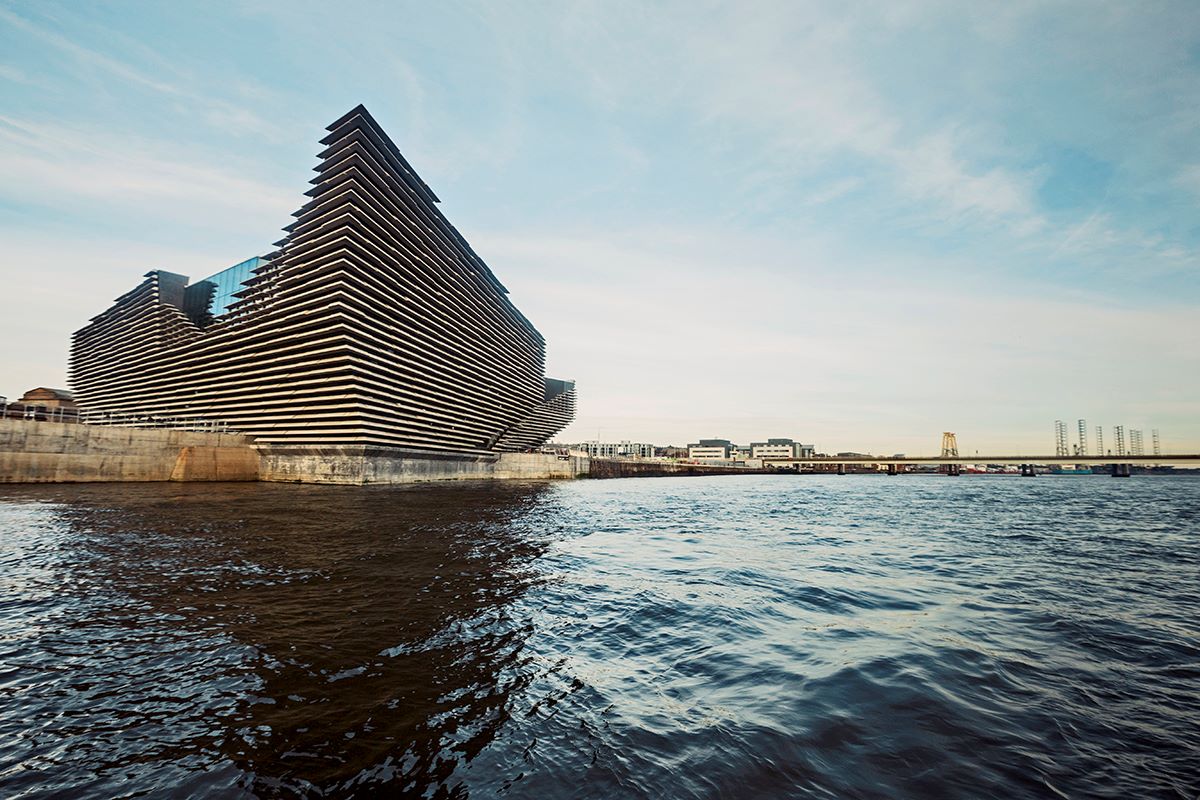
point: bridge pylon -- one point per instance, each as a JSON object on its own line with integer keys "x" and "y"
{"x": 949, "y": 445}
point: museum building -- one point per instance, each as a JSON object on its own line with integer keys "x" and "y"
{"x": 374, "y": 323}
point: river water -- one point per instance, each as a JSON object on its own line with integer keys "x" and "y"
{"x": 743, "y": 637}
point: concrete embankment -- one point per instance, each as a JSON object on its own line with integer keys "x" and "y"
{"x": 52, "y": 452}
{"x": 620, "y": 468}
{"x": 359, "y": 465}
{"x": 56, "y": 452}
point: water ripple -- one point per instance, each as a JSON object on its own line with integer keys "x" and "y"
{"x": 822, "y": 637}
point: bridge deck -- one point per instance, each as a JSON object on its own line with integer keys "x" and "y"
{"x": 1165, "y": 458}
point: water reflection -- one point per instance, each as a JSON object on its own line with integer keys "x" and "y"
{"x": 349, "y": 627}
{"x": 735, "y": 637}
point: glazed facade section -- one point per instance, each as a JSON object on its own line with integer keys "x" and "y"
{"x": 374, "y": 323}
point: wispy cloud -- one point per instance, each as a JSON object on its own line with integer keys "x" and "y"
{"x": 1107, "y": 245}
{"x": 793, "y": 88}
{"x": 57, "y": 166}
{"x": 15, "y": 75}
{"x": 86, "y": 56}
{"x": 833, "y": 191}
{"x": 787, "y": 81}
{"x": 214, "y": 110}
{"x": 934, "y": 170}
{"x": 1189, "y": 178}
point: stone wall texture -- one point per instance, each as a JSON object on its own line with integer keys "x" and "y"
{"x": 209, "y": 463}
{"x": 353, "y": 464}
{"x": 55, "y": 452}
{"x": 52, "y": 452}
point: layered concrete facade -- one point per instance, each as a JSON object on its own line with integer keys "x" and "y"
{"x": 373, "y": 325}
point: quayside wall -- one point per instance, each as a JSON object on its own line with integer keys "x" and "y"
{"x": 58, "y": 452}
{"x": 620, "y": 468}
{"x": 358, "y": 465}
{"x": 53, "y": 452}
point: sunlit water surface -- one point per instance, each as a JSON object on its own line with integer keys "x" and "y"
{"x": 873, "y": 637}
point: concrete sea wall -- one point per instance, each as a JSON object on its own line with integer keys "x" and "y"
{"x": 53, "y": 452}
{"x": 353, "y": 464}
{"x": 56, "y": 452}
{"x": 620, "y": 468}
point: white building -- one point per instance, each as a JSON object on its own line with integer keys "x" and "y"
{"x": 781, "y": 449}
{"x": 771, "y": 450}
{"x": 711, "y": 450}
{"x": 623, "y": 449}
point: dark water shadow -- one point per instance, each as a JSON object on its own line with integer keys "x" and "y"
{"x": 352, "y": 641}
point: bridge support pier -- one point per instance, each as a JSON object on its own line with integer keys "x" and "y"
{"x": 841, "y": 469}
{"x": 1121, "y": 470}
{"x": 954, "y": 470}
{"x": 1027, "y": 471}
{"x": 891, "y": 469}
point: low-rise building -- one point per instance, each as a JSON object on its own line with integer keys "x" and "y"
{"x": 623, "y": 449}
{"x": 781, "y": 449}
{"x": 42, "y": 403}
{"x": 43, "y": 397}
{"x": 711, "y": 450}
{"x": 772, "y": 449}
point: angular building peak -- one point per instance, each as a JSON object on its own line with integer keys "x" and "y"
{"x": 358, "y": 123}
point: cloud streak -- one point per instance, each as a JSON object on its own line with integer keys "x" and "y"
{"x": 58, "y": 167}
{"x": 214, "y": 111}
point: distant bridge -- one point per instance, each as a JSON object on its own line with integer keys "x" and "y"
{"x": 1119, "y": 466}
{"x": 1163, "y": 458}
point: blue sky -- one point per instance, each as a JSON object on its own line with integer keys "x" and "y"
{"x": 852, "y": 224}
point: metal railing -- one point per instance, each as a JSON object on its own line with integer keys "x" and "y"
{"x": 129, "y": 420}
{"x": 34, "y": 413}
